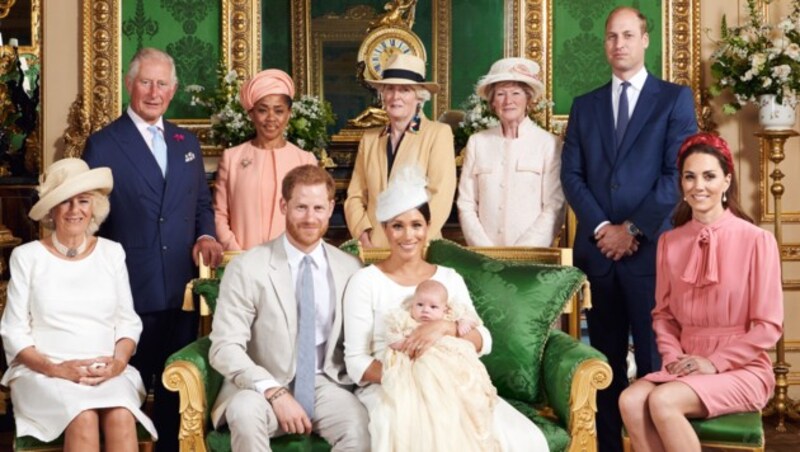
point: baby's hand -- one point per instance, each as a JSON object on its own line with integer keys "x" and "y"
{"x": 397, "y": 345}
{"x": 464, "y": 326}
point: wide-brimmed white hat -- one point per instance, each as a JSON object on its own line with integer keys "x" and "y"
{"x": 406, "y": 190}
{"x": 65, "y": 179}
{"x": 520, "y": 70}
{"x": 404, "y": 69}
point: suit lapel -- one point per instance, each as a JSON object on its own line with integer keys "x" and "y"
{"x": 641, "y": 115}
{"x": 139, "y": 154}
{"x": 176, "y": 163}
{"x": 280, "y": 277}
{"x": 604, "y": 112}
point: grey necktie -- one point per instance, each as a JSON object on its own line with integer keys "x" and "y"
{"x": 306, "y": 338}
{"x": 622, "y": 113}
{"x": 159, "y": 149}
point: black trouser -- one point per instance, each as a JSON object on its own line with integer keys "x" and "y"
{"x": 621, "y": 306}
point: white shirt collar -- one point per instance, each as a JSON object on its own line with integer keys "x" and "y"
{"x": 637, "y": 81}
{"x": 294, "y": 255}
{"x": 141, "y": 124}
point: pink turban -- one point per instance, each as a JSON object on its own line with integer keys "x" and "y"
{"x": 266, "y": 82}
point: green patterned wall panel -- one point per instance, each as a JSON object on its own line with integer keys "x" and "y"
{"x": 579, "y": 62}
{"x": 276, "y": 39}
{"x": 477, "y": 41}
{"x": 189, "y": 30}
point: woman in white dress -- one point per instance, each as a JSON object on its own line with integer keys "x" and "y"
{"x": 510, "y": 192}
{"x": 375, "y": 290}
{"x": 69, "y": 327}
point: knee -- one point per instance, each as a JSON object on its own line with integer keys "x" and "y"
{"x": 118, "y": 420}
{"x": 356, "y": 429}
{"x": 246, "y": 409}
{"x": 85, "y": 424}
{"x": 633, "y": 402}
{"x": 662, "y": 404}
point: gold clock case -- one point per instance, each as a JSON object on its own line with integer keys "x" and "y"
{"x": 384, "y": 34}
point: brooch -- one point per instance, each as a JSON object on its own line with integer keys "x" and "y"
{"x": 246, "y": 163}
{"x": 189, "y": 156}
{"x": 178, "y": 137}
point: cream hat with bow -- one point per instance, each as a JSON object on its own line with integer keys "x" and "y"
{"x": 520, "y": 70}
{"x": 405, "y": 69}
{"x": 65, "y": 179}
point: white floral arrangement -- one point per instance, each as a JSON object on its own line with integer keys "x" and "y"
{"x": 231, "y": 126}
{"x": 758, "y": 58}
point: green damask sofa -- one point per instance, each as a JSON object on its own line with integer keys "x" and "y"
{"x": 547, "y": 374}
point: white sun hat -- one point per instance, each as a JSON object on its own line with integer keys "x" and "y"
{"x": 520, "y": 70}
{"x": 65, "y": 179}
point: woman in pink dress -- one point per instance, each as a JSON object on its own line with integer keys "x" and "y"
{"x": 719, "y": 307}
{"x": 248, "y": 187}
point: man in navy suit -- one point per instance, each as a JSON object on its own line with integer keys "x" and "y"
{"x": 161, "y": 214}
{"x": 619, "y": 175}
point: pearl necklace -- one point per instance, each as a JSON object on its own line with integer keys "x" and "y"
{"x": 69, "y": 252}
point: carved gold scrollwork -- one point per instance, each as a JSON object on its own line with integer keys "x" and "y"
{"x": 101, "y": 96}
{"x": 183, "y": 378}
{"x": 5, "y": 7}
{"x": 592, "y": 375}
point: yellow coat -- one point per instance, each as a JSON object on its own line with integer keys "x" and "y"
{"x": 431, "y": 148}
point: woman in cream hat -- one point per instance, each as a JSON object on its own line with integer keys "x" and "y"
{"x": 510, "y": 188}
{"x": 248, "y": 186}
{"x": 409, "y": 139}
{"x": 69, "y": 327}
{"x": 375, "y": 291}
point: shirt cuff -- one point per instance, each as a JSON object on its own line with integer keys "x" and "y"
{"x": 600, "y": 226}
{"x": 263, "y": 385}
{"x": 206, "y": 236}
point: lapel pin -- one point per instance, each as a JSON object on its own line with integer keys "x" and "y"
{"x": 189, "y": 156}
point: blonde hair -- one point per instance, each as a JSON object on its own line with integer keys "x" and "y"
{"x": 101, "y": 207}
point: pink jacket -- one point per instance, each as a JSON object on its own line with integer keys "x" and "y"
{"x": 248, "y": 192}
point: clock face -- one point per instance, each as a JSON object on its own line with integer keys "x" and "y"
{"x": 381, "y": 44}
{"x": 382, "y": 51}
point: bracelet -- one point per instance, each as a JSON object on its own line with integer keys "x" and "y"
{"x": 277, "y": 394}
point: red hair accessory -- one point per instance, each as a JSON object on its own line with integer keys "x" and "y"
{"x": 708, "y": 139}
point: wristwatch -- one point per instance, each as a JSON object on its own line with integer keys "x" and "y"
{"x": 632, "y": 229}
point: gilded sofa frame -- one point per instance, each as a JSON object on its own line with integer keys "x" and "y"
{"x": 591, "y": 375}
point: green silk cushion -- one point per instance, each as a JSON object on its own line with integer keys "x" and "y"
{"x": 220, "y": 441}
{"x": 556, "y": 435}
{"x": 738, "y": 428}
{"x": 518, "y": 303}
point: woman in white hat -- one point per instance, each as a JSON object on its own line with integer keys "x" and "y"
{"x": 409, "y": 139}
{"x": 69, "y": 327}
{"x": 510, "y": 188}
{"x": 376, "y": 290}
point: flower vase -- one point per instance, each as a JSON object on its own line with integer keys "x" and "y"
{"x": 773, "y": 115}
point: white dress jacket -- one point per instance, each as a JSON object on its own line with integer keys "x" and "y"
{"x": 510, "y": 189}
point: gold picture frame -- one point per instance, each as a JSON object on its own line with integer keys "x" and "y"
{"x": 100, "y": 99}
{"x": 680, "y": 52}
{"x": 33, "y": 54}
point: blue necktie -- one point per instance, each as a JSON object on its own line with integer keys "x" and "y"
{"x": 622, "y": 113}
{"x": 306, "y": 338}
{"x": 159, "y": 149}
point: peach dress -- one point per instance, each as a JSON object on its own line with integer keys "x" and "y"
{"x": 719, "y": 295}
{"x": 247, "y": 193}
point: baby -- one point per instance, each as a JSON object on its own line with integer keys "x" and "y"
{"x": 442, "y": 399}
{"x": 429, "y": 303}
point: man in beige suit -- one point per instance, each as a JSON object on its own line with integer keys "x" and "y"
{"x": 258, "y": 332}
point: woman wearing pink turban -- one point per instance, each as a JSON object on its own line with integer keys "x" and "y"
{"x": 248, "y": 186}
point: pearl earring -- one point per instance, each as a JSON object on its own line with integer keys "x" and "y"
{"x": 725, "y": 196}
